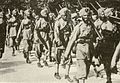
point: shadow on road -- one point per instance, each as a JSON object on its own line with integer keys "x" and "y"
{"x": 11, "y": 64}
{"x": 5, "y": 71}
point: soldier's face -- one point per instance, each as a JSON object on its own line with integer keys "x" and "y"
{"x": 102, "y": 15}
{"x": 45, "y": 14}
{"x": 33, "y": 14}
{"x": 66, "y": 16}
{"x": 28, "y": 14}
{"x": 86, "y": 17}
{"x": 94, "y": 17}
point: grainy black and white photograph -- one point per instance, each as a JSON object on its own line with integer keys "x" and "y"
{"x": 59, "y": 41}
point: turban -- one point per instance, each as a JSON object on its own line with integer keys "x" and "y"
{"x": 109, "y": 12}
{"x": 27, "y": 12}
{"x": 85, "y": 10}
{"x": 64, "y": 11}
{"x": 44, "y": 12}
{"x": 101, "y": 10}
{"x": 74, "y": 15}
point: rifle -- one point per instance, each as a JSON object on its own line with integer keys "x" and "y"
{"x": 80, "y": 4}
{"x": 115, "y": 19}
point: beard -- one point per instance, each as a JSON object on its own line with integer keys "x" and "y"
{"x": 103, "y": 19}
{"x": 86, "y": 20}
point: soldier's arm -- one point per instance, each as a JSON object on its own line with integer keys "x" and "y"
{"x": 73, "y": 38}
{"x": 56, "y": 31}
{"x": 39, "y": 35}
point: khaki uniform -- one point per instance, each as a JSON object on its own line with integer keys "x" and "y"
{"x": 82, "y": 34}
{"x": 105, "y": 49}
{"x": 26, "y": 31}
{"x": 41, "y": 35}
{"x": 12, "y": 30}
{"x": 62, "y": 32}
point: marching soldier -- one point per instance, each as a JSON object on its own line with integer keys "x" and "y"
{"x": 62, "y": 31}
{"x": 2, "y": 33}
{"x": 51, "y": 34}
{"x": 105, "y": 49}
{"x": 83, "y": 36}
{"x": 41, "y": 36}
{"x": 27, "y": 34}
{"x": 12, "y": 30}
{"x": 8, "y": 16}
{"x": 74, "y": 17}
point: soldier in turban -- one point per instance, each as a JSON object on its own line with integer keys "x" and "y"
{"x": 27, "y": 35}
{"x": 62, "y": 31}
{"x": 83, "y": 36}
{"x": 105, "y": 49}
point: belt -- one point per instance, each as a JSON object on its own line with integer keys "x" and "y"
{"x": 83, "y": 41}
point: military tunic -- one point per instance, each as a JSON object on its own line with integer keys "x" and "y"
{"x": 62, "y": 33}
{"x": 12, "y": 30}
{"x": 26, "y": 31}
{"x": 106, "y": 29}
{"x": 105, "y": 49}
{"x": 82, "y": 34}
{"x": 41, "y": 35}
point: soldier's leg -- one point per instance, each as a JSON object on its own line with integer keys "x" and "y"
{"x": 28, "y": 59}
{"x": 39, "y": 59}
{"x": 12, "y": 45}
{"x": 44, "y": 54}
{"x": 58, "y": 59}
{"x": 81, "y": 71}
{"x": 38, "y": 48}
{"x": 107, "y": 68}
{"x": 68, "y": 65}
{"x": 51, "y": 58}
{"x": 45, "y": 60}
{"x": 26, "y": 56}
{"x": 50, "y": 40}
{"x": 49, "y": 50}
{"x": 26, "y": 50}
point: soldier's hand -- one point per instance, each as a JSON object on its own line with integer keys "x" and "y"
{"x": 113, "y": 64}
{"x": 65, "y": 60}
{"x": 16, "y": 40}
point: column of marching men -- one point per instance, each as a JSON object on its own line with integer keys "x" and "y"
{"x": 88, "y": 34}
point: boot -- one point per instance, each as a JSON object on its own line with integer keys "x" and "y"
{"x": 28, "y": 60}
{"x": 45, "y": 63}
{"x": 39, "y": 65}
{"x": 13, "y": 54}
{"x": 109, "y": 81}
{"x": 68, "y": 78}
{"x": 57, "y": 76}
